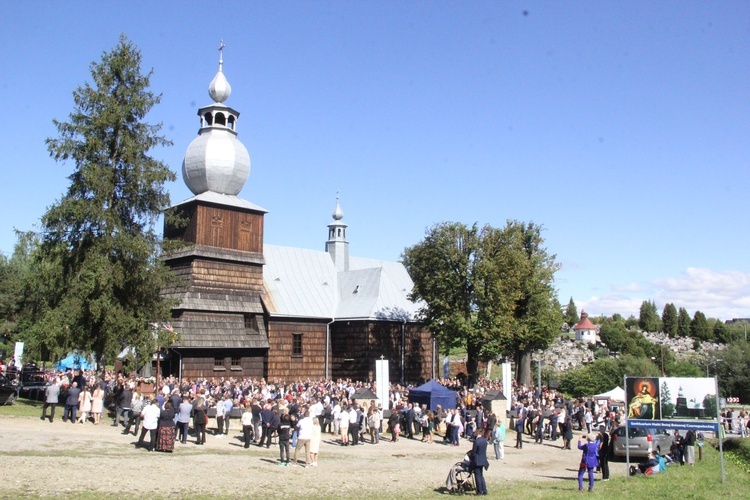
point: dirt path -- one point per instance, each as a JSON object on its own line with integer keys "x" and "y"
{"x": 42, "y": 458}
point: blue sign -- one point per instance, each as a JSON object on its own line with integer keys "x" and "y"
{"x": 696, "y": 425}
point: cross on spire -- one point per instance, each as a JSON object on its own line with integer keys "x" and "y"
{"x": 221, "y": 53}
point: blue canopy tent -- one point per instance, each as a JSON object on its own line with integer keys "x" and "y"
{"x": 433, "y": 394}
{"x": 74, "y": 362}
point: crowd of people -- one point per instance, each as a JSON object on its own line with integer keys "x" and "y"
{"x": 295, "y": 415}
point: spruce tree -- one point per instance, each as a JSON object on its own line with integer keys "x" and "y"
{"x": 570, "y": 316}
{"x": 669, "y": 320}
{"x": 648, "y": 319}
{"x": 683, "y": 323}
{"x": 699, "y": 327}
{"x": 99, "y": 248}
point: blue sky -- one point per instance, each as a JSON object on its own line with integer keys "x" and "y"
{"x": 622, "y": 127}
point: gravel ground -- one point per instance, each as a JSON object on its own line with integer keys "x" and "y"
{"x": 62, "y": 459}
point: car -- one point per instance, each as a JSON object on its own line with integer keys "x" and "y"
{"x": 8, "y": 391}
{"x": 637, "y": 442}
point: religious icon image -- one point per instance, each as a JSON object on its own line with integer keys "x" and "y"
{"x": 643, "y": 398}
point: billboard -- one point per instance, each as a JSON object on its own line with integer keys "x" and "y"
{"x": 671, "y": 402}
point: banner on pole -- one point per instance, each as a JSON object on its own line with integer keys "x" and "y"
{"x": 382, "y": 382}
{"x": 18, "y": 354}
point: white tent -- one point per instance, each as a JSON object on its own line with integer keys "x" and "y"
{"x": 616, "y": 394}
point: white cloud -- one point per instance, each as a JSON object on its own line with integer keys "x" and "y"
{"x": 632, "y": 287}
{"x": 718, "y": 294}
{"x": 609, "y": 304}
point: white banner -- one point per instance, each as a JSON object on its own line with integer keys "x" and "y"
{"x": 18, "y": 355}
{"x": 507, "y": 385}
{"x": 382, "y": 382}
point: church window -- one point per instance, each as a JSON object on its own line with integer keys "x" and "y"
{"x": 297, "y": 345}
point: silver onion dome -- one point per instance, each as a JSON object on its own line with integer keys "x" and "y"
{"x": 216, "y": 160}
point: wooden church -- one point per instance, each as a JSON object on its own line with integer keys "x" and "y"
{"x": 250, "y": 309}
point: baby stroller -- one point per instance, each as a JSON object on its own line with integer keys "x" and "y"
{"x": 460, "y": 478}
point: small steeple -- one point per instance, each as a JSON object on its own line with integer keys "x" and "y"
{"x": 219, "y": 89}
{"x": 337, "y": 246}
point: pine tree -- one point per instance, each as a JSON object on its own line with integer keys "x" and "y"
{"x": 99, "y": 248}
{"x": 570, "y": 316}
{"x": 683, "y": 323}
{"x": 699, "y": 327}
{"x": 648, "y": 320}
{"x": 669, "y": 320}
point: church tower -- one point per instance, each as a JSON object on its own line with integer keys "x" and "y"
{"x": 337, "y": 246}
{"x": 219, "y": 317}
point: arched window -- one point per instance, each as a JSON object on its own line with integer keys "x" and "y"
{"x": 208, "y": 120}
{"x": 231, "y": 122}
{"x": 221, "y": 119}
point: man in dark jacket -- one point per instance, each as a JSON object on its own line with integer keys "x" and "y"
{"x": 80, "y": 379}
{"x": 410, "y": 421}
{"x": 71, "y": 403}
{"x": 266, "y": 417}
{"x": 124, "y": 400}
{"x": 519, "y": 428}
{"x": 604, "y": 453}
{"x": 479, "y": 461}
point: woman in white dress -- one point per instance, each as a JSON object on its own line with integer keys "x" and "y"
{"x": 315, "y": 442}
{"x": 97, "y": 403}
{"x": 84, "y": 404}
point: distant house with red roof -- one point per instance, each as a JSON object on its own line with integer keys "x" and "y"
{"x": 585, "y": 330}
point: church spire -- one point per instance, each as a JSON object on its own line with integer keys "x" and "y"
{"x": 337, "y": 246}
{"x": 219, "y": 89}
{"x": 216, "y": 160}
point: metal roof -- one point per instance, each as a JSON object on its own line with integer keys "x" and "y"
{"x": 223, "y": 199}
{"x": 304, "y": 283}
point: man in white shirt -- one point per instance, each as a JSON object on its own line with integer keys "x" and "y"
{"x": 150, "y": 417}
{"x": 220, "y": 412}
{"x": 304, "y": 435}
{"x": 354, "y": 414}
{"x": 336, "y": 412}
{"x": 316, "y": 409}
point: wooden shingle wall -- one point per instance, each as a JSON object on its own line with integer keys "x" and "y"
{"x": 202, "y": 364}
{"x": 356, "y": 345}
{"x": 282, "y": 363}
{"x": 225, "y": 276}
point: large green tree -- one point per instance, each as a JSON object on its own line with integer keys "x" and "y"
{"x": 699, "y": 327}
{"x": 648, "y": 319}
{"x": 669, "y": 320}
{"x": 570, "y": 316}
{"x": 536, "y": 312}
{"x": 683, "y": 323}
{"x": 734, "y": 377}
{"x": 488, "y": 291}
{"x": 99, "y": 251}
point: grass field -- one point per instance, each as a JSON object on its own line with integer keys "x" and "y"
{"x": 700, "y": 482}
{"x": 23, "y": 408}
